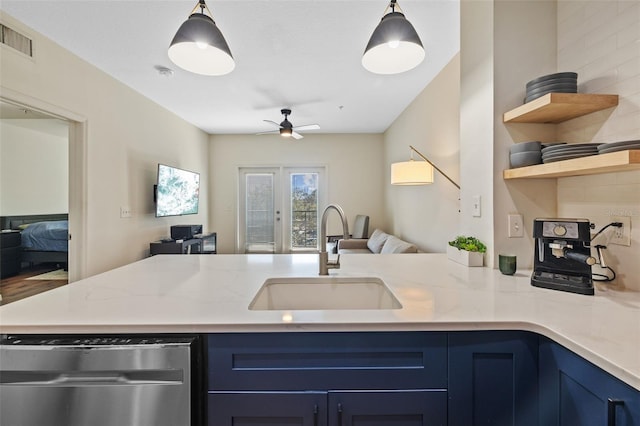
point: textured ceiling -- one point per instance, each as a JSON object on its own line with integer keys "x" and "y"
{"x": 302, "y": 54}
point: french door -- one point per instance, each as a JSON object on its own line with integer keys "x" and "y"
{"x": 279, "y": 209}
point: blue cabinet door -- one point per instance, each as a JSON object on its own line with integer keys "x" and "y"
{"x": 267, "y": 408}
{"x": 575, "y": 392}
{"x": 321, "y": 361}
{"x": 493, "y": 378}
{"x": 388, "y": 408}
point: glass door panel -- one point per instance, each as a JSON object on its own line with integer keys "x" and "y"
{"x": 279, "y": 215}
{"x": 303, "y": 196}
{"x": 258, "y": 230}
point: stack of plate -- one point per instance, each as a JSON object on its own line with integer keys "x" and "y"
{"x": 525, "y": 154}
{"x": 618, "y": 146}
{"x": 561, "y": 82}
{"x": 568, "y": 151}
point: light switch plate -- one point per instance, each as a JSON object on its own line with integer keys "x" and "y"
{"x": 475, "y": 206}
{"x": 516, "y": 229}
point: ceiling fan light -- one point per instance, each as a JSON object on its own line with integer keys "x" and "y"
{"x": 286, "y": 132}
{"x": 394, "y": 46}
{"x": 200, "y": 47}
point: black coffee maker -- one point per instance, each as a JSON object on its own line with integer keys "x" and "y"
{"x": 563, "y": 255}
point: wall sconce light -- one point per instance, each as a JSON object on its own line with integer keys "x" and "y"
{"x": 415, "y": 172}
{"x": 200, "y": 47}
{"x": 394, "y": 46}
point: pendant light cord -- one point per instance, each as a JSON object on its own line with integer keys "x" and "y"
{"x": 393, "y": 6}
{"x": 202, "y": 5}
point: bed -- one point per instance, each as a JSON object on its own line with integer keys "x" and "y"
{"x": 44, "y": 237}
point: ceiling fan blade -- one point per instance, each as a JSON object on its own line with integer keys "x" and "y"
{"x": 296, "y": 135}
{"x": 307, "y": 127}
{"x": 272, "y": 122}
{"x": 270, "y": 132}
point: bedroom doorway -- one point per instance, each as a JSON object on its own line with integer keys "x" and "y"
{"x": 32, "y": 116}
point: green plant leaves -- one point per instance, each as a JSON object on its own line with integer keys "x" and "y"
{"x": 468, "y": 244}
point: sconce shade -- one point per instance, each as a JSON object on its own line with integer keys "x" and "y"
{"x": 411, "y": 173}
{"x": 394, "y": 47}
{"x": 200, "y": 47}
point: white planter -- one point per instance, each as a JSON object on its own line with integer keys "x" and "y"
{"x": 467, "y": 258}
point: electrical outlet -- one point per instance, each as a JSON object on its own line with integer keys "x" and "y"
{"x": 125, "y": 212}
{"x": 515, "y": 226}
{"x": 621, "y": 235}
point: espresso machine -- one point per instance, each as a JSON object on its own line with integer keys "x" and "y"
{"x": 563, "y": 255}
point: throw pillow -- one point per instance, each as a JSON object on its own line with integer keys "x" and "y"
{"x": 376, "y": 241}
{"x": 396, "y": 245}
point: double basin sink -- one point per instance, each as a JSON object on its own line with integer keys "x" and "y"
{"x": 324, "y": 293}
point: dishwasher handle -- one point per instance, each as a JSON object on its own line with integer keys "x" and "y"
{"x": 91, "y": 378}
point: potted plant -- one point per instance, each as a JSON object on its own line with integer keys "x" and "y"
{"x": 468, "y": 251}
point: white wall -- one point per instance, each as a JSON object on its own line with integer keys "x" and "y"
{"x": 476, "y": 120}
{"x": 127, "y": 135}
{"x": 600, "y": 40}
{"x": 353, "y": 164}
{"x": 34, "y": 167}
{"x": 524, "y": 48}
{"x": 427, "y": 215}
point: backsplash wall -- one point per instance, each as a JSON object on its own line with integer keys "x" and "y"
{"x": 600, "y": 40}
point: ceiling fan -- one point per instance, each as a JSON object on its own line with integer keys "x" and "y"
{"x": 286, "y": 129}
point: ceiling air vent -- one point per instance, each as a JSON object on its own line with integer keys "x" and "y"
{"x": 16, "y": 40}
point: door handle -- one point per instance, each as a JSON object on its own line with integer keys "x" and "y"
{"x": 91, "y": 378}
{"x": 315, "y": 415}
{"x": 611, "y": 410}
{"x": 339, "y": 414}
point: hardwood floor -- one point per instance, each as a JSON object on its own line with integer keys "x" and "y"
{"x": 18, "y": 287}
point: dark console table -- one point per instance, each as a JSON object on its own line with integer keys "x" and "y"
{"x": 205, "y": 244}
{"x": 10, "y": 250}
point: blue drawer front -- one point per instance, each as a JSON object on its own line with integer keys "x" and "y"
{"x": 309, "y": 361}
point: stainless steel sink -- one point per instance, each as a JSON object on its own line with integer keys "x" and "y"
{"x": 324, "y": 293}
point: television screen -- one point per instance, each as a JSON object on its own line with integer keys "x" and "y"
{"x": 177, "y": 192}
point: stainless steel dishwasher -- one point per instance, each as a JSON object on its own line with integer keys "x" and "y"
{"x": 99, "y": 381}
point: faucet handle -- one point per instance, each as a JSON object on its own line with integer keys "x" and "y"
{"x": 335, "y": 262}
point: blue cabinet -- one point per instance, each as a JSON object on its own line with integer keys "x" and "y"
{"x": 479, "y": 378}
{"x": 320, "y": 379}
{"x": 575, "y": 392}
{"x": 493, "y": 378}
{"x": 327, "y": 361}
{"x": 267, "y": 408}
{"x": 418, "y": 407}
{"x": 340, "y": 408}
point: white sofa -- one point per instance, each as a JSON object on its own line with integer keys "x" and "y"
{"x": 378, "y": 242}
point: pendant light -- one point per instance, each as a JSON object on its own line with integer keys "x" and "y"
{"x": 200, "y": 47}
{"x": 394, "y": 46}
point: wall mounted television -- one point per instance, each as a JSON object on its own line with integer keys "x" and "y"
{"x": 177, "y": 192}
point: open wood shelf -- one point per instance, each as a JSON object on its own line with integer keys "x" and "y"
{"x": 559, "y": 107}
{"x": 603, "y": 163}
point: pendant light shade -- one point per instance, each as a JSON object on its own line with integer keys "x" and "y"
{"x": 394, "y": 46}
{"x": 200, "y": 47}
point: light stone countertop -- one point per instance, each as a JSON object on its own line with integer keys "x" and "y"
{"x": 211, "y": 293}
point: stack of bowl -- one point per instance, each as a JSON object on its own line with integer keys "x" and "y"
{"x": 525, "y": 154}
{"x": 561, "y": 82}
